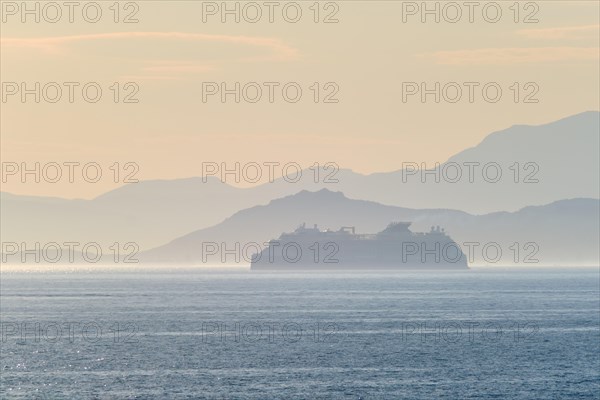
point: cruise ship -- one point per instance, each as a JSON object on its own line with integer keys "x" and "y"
{"x": 394, "y": 248}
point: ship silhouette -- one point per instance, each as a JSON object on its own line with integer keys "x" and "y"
{"x": 394, "y": 248}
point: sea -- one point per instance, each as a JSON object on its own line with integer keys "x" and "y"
{"x": 201, "y": 333}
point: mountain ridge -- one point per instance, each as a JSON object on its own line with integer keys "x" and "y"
{"x": 567, "y": 168}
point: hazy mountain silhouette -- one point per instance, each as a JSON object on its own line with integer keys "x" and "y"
{"x": 153, "y": 212}
{"x": 566, "y": 231}
{"x": 566, "y": 165}
{"x": 149, "y": 213}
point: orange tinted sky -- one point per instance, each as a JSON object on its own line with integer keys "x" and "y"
{"x": 364, "y": 61}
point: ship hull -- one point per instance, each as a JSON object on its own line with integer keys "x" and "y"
{"x": 355, "y": 268}
{"x": 366, "y": 255}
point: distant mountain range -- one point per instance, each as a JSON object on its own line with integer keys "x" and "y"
{"x": 565, "y": 232}
{"x": 563, "y": 156}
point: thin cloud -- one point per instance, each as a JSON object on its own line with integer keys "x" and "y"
{"x": 564, "y": 32}
{"x": 510, "y": 56}
{"x": 59, "y": 44}
{"x": 179, "y": 68}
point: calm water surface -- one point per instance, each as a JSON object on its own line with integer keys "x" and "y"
{"x": 183, "y": 334}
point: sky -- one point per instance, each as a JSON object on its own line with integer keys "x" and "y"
{"x": 361, "y": 67}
